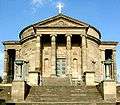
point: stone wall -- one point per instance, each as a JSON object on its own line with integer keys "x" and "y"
{"x": 93, "y": 58}
{"x": 28, "y": 50}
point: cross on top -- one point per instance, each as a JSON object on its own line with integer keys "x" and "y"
{"x": 60, "y": 6}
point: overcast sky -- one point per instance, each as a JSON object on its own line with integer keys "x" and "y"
{"x": 17, "y": 14}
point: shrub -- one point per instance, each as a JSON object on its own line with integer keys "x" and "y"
{"x": 0, "y": 79}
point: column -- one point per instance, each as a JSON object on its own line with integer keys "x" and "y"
{"x": 38, "y": 53}
{"x": 84, "y": 54}
{"x": 107, "y": 72}
{"x": 68, "y": 47}
{"x": 5, "y": 66}
{"x": 53, "y": 55}
{"x": 102, "y": 64}
{"x": 17, "y": 70}
{"x": 114, "y": 68}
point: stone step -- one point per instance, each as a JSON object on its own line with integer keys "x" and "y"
{"x": 60, "y": 103}
{"x": 55, "y": 81}
{"x": 94, "y": 95}
{"x": 63, "y": 94}
{"x": 60, "y": 88}
{"x": 62, "y": 99}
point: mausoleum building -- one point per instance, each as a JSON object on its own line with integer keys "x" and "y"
{"x": 59, "y": 47}
{"x": 61, "y": 51}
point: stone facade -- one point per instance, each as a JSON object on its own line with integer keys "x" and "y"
{"x": 59, "y": 47}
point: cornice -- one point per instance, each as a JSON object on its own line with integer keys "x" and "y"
{"x": 94, "y": 39}
{"x": 11, "y": 43}
{"x": 109, "y": 43}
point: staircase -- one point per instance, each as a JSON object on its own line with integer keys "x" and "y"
{"x": 63, "y": 95}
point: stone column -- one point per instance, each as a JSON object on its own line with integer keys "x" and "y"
{"x": 84, "y": 54}
{"x": 53, "y": 55}
{"x": 107, "y": 72}
{"x": 5, "y": 66}
{"x": 114, "y": 68}
{"x": 102, "y": 64}
{"x": 17, "y": 69}
{"x": 68, "y": 47}
{"x": 38, "y": 53}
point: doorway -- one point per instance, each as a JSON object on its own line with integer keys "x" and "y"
{"x": 61, "y": 66}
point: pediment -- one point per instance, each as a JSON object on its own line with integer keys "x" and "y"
{"x": 61, "y": 21}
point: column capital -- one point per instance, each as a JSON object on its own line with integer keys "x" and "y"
{"x": 68, "y": 35}
{"x": 17, "y": 49}
{"x": 83, "y": 35}
{"x": 38, "y": 35}
{"x": 51, "y": 35}
{"x": 102, "y": 49}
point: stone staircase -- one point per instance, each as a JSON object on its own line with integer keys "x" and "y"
{"x": 63, "y": 95}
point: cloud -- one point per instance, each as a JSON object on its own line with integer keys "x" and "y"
{"x": 40, "y": 2}
{"x": 37, "y": 2}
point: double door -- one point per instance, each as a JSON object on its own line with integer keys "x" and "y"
{"x": 61, "y": 66}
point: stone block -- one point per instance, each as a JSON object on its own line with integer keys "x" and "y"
{"x": 109, "y": 90}
{"x": 18, "y": 90}
{"x": 34, "y": 78}
{"x": 89, "y": 78}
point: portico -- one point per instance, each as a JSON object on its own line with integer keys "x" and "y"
{"x": 56, "y": 51}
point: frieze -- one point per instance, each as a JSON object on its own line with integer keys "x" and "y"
{"x": 60, "y": 24}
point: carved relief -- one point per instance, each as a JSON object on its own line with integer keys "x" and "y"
{"x": 60, "y": 24}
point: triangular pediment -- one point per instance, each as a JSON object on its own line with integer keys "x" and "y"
{"x": 61, "y": 21}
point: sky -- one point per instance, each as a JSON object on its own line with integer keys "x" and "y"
{"x": 17, "y": 14}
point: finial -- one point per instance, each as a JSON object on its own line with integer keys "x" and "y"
{"x": 60, "y": 6}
